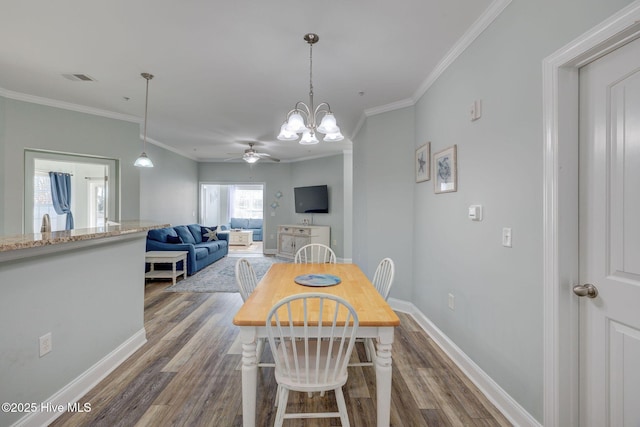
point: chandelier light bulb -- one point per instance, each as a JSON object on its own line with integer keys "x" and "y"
{"x": 308, "y": 138}
{"x": 333, "y": 137}
{"x": 328, "y": 124}
{"x": 296, "y": 123}
{"x": 285, "y": 135}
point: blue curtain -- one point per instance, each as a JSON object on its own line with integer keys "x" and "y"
{"x": 61, "y": 195}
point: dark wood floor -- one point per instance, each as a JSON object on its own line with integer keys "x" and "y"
{"x": 188, "y": 374}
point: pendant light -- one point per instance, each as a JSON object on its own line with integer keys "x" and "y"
{"x": 303, "y": 118}
{"x": 144, "y": 161}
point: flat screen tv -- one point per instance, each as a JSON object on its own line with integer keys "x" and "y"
{"x": 314, "y": 199}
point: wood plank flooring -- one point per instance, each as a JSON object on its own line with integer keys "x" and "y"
{"x": 188, "y": 374}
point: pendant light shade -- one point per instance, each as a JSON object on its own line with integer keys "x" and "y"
{"x": 144, "y": 161}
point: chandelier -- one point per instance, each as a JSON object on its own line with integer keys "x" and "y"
{"x": 303, "y": 118}
{"x": 144, "y": 161}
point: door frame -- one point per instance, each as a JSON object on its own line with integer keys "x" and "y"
{"x": 560, "y": 86}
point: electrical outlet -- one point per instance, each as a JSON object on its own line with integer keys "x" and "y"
{"x": 452, "y": 302}
{"x": 46, "y": 344}
{"x": 335, "y": 242}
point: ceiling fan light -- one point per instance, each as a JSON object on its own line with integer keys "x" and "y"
{"x": 143, "y": 161}
{"x": 285, "y": 135}
{"x": 250, "y": 158}
{"x": 308, "y": 138}
{"x": 328, "y": 124}
{"x": 334, "y": 137}
{"x": 295, "y": 123}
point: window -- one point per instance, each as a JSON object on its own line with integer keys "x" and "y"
{"x": 245, "y": 201}
{"x": 42, "y": 203}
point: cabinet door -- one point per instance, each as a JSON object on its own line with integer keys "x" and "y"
{"x": 300, "y": 241}
{"x": 287, "y": 245}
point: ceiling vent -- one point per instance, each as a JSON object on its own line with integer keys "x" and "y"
{"x": 79, "y": 77}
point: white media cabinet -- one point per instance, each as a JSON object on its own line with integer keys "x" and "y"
{"x": 293, "y": 237}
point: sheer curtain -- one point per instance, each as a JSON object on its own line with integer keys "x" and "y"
{"x": 61, "y": 195}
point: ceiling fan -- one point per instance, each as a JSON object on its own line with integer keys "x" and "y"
{"x": 250, "y": 155}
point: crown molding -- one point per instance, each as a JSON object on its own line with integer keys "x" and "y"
{"x": 482, "y": 23}
{"x": 67, "y": 106}
{"x": 168, "y": 147}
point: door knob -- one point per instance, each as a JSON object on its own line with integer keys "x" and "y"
{"x": 586, "y": 290}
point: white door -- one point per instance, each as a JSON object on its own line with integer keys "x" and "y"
{"x": 610, "y": 239}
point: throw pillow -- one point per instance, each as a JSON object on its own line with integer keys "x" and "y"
{"x": 209, "y": 234}
{"x": 174, "y": 239}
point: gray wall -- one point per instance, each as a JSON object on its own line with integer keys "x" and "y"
{"x": 91, "y": 301}
{"x": 166, "y": 193}
{"x": 497, "y": 321}
{"x": 3, "y": 165}
{"x": 323, "y": 171}
{"x": 169, "y": 190}
{"x": 45, "y": 128}
{"x": 276, "y": 177}
{"x": 284, "y": 177}
{"x": 383, "y": 177}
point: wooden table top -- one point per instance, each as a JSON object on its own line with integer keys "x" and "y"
{"x": 279, "y": 283}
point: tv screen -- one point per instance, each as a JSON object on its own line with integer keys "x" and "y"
{"x": 314, "y": 199}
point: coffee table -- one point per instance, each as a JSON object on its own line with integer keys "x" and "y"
{"x": 240, "y": 237}
{"x": 166, "y": 257}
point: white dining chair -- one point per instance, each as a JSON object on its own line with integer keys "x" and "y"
{"x": 312, "y": 356}
{"x": 383, "y": 277}
{"x": 245, "y": 278}
{"x": 315, "y": 253}
{"x": 247, "y": 282}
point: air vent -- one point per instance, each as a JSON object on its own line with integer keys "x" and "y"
{"x": 79, "y": 77}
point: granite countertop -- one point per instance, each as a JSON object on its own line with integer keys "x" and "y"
{"x": 25, "y": 241}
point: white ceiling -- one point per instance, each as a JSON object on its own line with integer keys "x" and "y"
{"x": 227, "y": 72}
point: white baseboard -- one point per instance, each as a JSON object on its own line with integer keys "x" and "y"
{"x": 77, "y": 388}
{"x": 511, "y": 409}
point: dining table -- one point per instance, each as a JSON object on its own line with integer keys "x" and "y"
{"x": 376, "y": 321}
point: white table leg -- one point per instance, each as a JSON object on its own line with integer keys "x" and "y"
{"x": 174, "y": 276}
{"x": 249, "y": 376}
{"x": 383, "y": 375}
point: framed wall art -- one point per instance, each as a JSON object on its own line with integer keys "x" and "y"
{"x": 445, "y": 169}
{"x": 423, "y": 163}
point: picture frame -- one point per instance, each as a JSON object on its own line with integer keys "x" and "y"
{"x": 445, "y": 170}
{"x": 422, "y": 163}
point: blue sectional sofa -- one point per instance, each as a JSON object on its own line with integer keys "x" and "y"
{"x": 253, "y": 224}
{"x": 189, "y": 238}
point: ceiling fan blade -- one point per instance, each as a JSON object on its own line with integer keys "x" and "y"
{"x": 262, "y": 154}
{"x": 273, "y": 159}
{"x": 232, "y": 158}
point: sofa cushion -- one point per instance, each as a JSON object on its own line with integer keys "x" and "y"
{"x": 183, "y": 231}
{"x": 196, "y": 231}
{"x": 211, "y": 247}
{"x": 174, "y": 239}
{"x": 238, "y": 223}
{"x": 201, "y": 253}
{"x": 160, "y": 234}
{"x": 255, "y": 223}
{"x": 209, "y": 234}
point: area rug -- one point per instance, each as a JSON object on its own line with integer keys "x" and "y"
{"x": 221, "y": 275}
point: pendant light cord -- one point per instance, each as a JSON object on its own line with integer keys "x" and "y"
{"x": 146, "y": 106}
